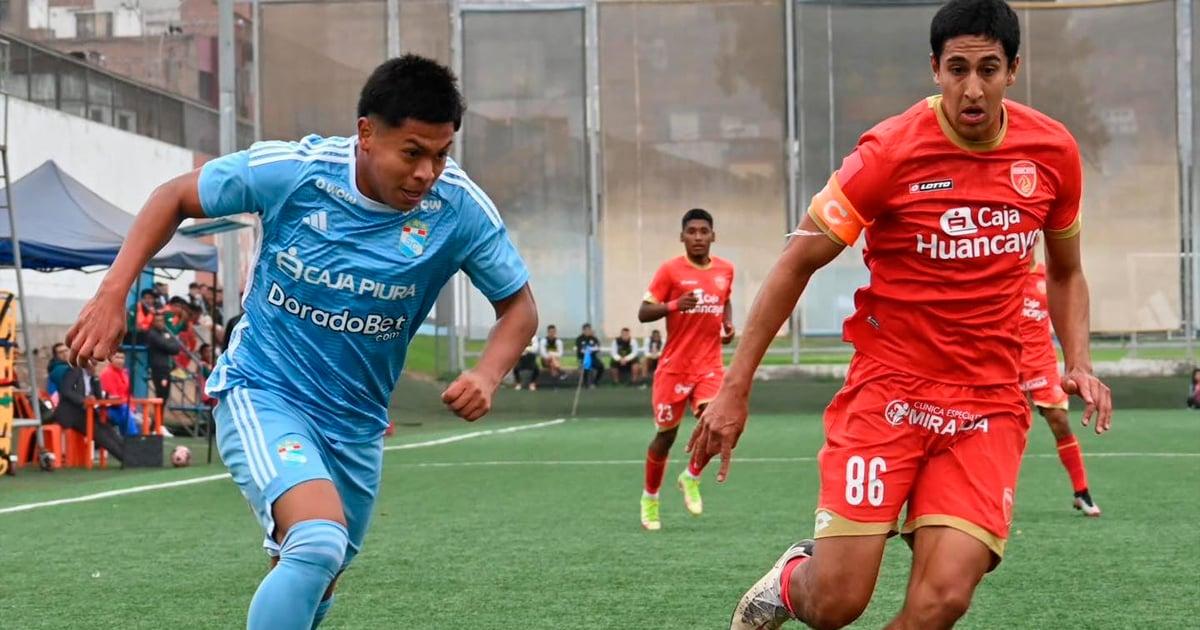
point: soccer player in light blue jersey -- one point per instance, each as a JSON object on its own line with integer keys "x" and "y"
{"x": 358, "y": 237}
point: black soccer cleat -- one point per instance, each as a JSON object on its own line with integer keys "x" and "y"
{"x": 1085, "y": 504}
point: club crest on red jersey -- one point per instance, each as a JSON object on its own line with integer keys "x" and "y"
{"x": 1023, "y": 175}
{"x": 721, "y": 282}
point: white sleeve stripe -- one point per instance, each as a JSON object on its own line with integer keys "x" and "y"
{"x": 479, "y": 196}
{"x": 277, "y": 150}
{"x": 300, "y": 158}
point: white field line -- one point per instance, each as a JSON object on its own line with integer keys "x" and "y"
{"x": 25, "y": 507}
{"x": 736, "y": 460}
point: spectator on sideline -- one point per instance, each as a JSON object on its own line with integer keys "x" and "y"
{"x": 114, "y": 381}
{"x": 161, "y": 346}
{"x": 528, "y": 364}
{"x": 651, "y": 353}
{"x": 145, "y": 309}
{"x": 162, "y": 294}
{"x": 56, "y": 369}
{"x": 71, "y": 413}
{"x": 551, "y": 351}
{"x": 587, "y": 347}
{"x": 1193, "y": 401}
{"x": 624, "y": 358}
{"x": 196, "y": 298}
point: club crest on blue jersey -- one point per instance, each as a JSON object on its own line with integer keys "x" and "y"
{"x": 291, "y": 453}
{"x": 414, "y": 236}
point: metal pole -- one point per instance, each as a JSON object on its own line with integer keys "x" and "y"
{"x": 393, "y": 29}
{"x": 592, "y": 112}
{"x": 230, "y": 267}
{"x": 1186, "y": 134}
{"x": 792, "y": 149}
{"x": 16, "y": 248}
{"x": 456, "y": 54}
{"x": 255, "y": 48}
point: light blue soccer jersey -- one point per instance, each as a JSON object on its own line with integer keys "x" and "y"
{"x": 341, "y": 282}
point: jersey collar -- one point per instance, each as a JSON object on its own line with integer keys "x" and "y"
{"x": 687, "y": 259}
{"x": 935, "y": 103}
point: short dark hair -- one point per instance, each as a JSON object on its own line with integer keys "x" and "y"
{"x": 992, "y": 19}
{"x": 150, "y": 292}
{"x": 412, "y": 87}
{"x": 696, "y": 214}
{"x": 625, "y": 330}
{"x": 551, "y": 326}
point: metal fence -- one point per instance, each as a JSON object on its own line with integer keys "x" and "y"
{"x": 595, "y": 124}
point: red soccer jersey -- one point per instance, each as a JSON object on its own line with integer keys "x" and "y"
{"x": 693, "y": 336}
{"x": 950, "y": 227}
{"x": 1037, "y": 352}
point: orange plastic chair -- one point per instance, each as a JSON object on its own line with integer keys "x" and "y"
{"x": 95, "y": 406}
{"x": 52, "y": 434}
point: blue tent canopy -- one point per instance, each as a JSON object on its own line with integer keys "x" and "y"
{"x": 63, "y": 224}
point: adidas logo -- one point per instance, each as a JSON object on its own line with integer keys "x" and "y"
{"x": 318, "y": 221}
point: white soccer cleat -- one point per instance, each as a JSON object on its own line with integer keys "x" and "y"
{"x": 1085, "y": 504}
{"x": 762, "y": 608}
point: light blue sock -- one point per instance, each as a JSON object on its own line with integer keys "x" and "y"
{"x": 288, "y": 598}
{"x": 322, "y": 610}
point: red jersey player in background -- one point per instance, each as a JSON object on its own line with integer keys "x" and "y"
{"x": 1039, "y": 377}
{"x": 952, "y": 195}
{"x": 692, "y": 292}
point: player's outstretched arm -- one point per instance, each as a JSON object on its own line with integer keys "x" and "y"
{"x": 101, "y": 323}
{"x": 724, "y": 418}
{"x": 1067, "y": 291}
{"x": 470, "y": 395}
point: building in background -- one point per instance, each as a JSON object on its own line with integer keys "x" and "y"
{"x": 169, "y": 44}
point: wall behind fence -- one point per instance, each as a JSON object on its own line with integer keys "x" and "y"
{"x": 692, "y": 114}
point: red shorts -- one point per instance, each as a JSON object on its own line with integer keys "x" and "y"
{"x": 1045, "y": 386}
{"x": 672, "y": 391}
{"x": 951, "y": 452}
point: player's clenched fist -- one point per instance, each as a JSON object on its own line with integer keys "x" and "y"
{"x": 100, "y": 327}
{"x": 470, "y": 395}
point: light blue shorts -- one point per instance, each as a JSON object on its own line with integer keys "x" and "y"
{"x": 270, "y": 446}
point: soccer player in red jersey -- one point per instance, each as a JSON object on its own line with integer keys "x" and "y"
{"x": 952, "y": 195}
{"x": 692, "y": 292}
{"x": 1039, "y": 377}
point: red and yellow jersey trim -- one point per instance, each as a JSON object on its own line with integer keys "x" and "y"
{"x": 1067, "y": 232}
{"x": 935, "y": 103}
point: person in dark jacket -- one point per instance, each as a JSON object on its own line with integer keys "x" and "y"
{"x": 71, "y": 412}
{"x": 161, "y": 346}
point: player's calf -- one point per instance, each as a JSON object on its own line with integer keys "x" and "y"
{"x": 310, "y": 556}
{"x": 824, "y": 584}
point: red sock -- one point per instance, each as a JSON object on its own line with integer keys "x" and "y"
{"x": 1072, "y": 459}
{"x": 785, "y": 583}
{"x": 694, "y": 469}
{"x": 655, "y": 468}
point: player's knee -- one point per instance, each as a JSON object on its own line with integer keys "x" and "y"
{"x": 318, "y": 543}
{"x": 837, "y": 606}
{"x": 940, "y": 603}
